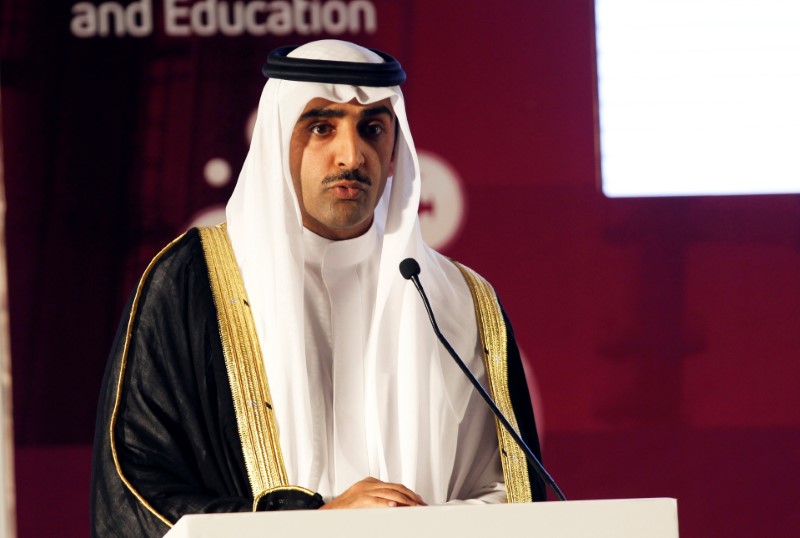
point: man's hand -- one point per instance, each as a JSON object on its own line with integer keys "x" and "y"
{"x": 372, "y": 493}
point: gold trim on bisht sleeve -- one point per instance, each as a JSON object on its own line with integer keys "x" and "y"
{"x": 120, "y": 381}
{"x": 492, "y": 329}
{"x": 252, "y": 402}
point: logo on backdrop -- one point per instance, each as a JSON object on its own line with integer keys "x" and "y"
{"x": 442, "y": 201}
{"x": 182, "y": 18}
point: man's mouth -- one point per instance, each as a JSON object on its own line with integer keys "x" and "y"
{"x": 347, "y": 184}
{"x": 347, "y": 190}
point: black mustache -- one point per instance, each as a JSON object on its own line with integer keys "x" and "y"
{"x": 351, "y": 175}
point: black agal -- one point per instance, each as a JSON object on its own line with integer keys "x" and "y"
{"x": 279, "y": 65}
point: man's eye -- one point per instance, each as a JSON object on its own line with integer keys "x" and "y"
{"x": 372, "y": 130}
{"x": 320, "y": 129}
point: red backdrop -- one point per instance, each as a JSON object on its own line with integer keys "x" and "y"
{"x": 663, "y": 333}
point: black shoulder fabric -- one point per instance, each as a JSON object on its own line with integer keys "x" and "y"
{"x": 175, "y": 433}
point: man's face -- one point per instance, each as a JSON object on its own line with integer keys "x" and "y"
{"x": 340, "y": 155}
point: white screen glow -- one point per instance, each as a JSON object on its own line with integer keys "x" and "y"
{"x": 699, "y": 97}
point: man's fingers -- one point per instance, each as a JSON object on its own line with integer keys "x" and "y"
{"x": 400, "y": 488}
{"x": 371, "y": 492}
{"x": 394, "y": 495}
{"x": 412, "y": 497}
{"x": 407, "y": 493}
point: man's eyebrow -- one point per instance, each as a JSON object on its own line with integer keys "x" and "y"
{"x": 336, "y": 113}
{"x": 376, "y": 111}
{"x": 322, "y": 113}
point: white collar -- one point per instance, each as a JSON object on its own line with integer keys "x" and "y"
{"x": 339, "y": 254}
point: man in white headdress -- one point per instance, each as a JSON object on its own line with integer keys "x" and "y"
{"x": 281, "y": 361}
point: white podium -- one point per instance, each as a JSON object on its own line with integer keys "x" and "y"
{"x": 630, "y": 518}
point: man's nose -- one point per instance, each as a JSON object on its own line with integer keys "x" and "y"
{"x": 349, "y": 149}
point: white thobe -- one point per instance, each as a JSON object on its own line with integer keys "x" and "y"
{"x": 340, "y": 283}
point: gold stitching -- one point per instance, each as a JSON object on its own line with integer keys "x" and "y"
{"x": 252, "y": 401}
{"x": 492, "y": 330}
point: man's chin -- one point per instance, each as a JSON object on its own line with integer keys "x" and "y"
{"x": 342, "y": 226}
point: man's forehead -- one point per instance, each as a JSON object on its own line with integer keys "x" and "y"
{"x": 353, "y": 107}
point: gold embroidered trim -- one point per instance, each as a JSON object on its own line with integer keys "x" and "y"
{"x": 118, "y": 399}
{"x": 492, "y": 330}
{"x": 280, "y": 488}
{"x": 252, "y": 402}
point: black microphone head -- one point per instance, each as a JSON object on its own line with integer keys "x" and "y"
{"x": 409, "y": 268}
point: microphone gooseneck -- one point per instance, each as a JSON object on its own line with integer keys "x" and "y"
{"x": 410, "y": 270}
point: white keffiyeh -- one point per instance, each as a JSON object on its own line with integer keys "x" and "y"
{"x": 360, "y": 385}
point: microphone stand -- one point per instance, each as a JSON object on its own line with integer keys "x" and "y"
{"x": 410, "y": 270}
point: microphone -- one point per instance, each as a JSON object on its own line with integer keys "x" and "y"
{"x": 410, "y": 270}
